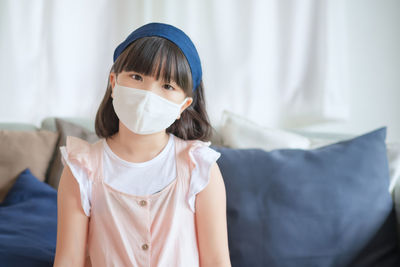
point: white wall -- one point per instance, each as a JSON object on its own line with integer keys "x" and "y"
{"x": 34, "y": 70}
{"x": 374, "y": 68}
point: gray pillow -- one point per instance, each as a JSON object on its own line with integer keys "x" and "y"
{"x": 328, "y": 206}
{"x": 65, "y": 129}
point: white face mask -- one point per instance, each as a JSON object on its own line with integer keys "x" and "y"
{"x": 142, "y": 111}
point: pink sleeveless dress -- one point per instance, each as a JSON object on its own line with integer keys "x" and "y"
{"x": 141, "y": 231}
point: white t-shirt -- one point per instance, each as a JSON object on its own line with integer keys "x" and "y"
{"x": 144, "y": 178}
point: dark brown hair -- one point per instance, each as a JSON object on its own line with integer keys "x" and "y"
{"x": 155, "y": 56}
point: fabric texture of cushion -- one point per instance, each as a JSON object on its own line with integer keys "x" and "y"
{"x": 24, "y": 149}
{"x": 281, "y": 138}
{"x": 65, "y": 129}
{"x": 328, "y": 206}
{"x": 239, "y": 132}
{"x": 28, "y": 224}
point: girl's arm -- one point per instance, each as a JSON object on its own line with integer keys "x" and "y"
{"x": 212, "y": 233}
{"x": 72, "y": 223}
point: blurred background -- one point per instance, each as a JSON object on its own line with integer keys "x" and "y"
{"x": 322, "y": 65}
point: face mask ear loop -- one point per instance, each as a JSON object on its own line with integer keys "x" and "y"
{"x": 184, "y": 101}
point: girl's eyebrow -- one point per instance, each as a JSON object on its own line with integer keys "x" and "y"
{"x": 165, "y": 81}
{"x": 162, "y": 80}
{"x": 171, "y": 82}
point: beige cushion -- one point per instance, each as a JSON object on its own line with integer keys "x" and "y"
{"x": 65, "y": 129}
{"x": 24, "y": 149}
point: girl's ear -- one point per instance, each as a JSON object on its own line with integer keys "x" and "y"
{"x": 188, "y": 102}
{"x": 112, "y": 83}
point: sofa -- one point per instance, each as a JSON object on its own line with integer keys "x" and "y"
{"x": 294, "y": 197}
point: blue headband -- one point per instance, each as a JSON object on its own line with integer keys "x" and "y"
{"x": 173, "y": 34}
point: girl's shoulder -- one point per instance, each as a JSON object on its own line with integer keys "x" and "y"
{"x": 76, "y": 145}
{"x": 201, "y": 158}
{"x": 199, "y": 151}
{"x": 81, "y": 152}
{"x": 192, "y": 144}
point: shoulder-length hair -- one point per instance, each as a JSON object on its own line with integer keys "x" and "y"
{"x": 155, "y": 56}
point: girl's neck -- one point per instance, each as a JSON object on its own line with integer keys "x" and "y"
{"x": 136, "y": 147}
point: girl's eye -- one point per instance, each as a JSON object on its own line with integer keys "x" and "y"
{"x": 167, "y": 86}
{"x": 137, "y": 77}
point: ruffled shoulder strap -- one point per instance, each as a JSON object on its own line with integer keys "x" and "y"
{"x": 186, "y": 148}
{"x": 200, "y": 158}
{"x": 193, "y": 145}
{"x": 83, "y": 153}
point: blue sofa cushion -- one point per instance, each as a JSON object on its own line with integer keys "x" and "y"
{"x": 28, "y": 223}
{"x": 328, "y": 206}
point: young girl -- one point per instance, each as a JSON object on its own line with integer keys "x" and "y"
{"x": 149, "y": 192}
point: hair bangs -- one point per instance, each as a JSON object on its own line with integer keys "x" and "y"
{"x": 160, "y": 58}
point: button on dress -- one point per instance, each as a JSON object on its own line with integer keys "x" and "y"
{"x": 141, "y": 231}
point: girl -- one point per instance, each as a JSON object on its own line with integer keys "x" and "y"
{"x": 149, "y": 192}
